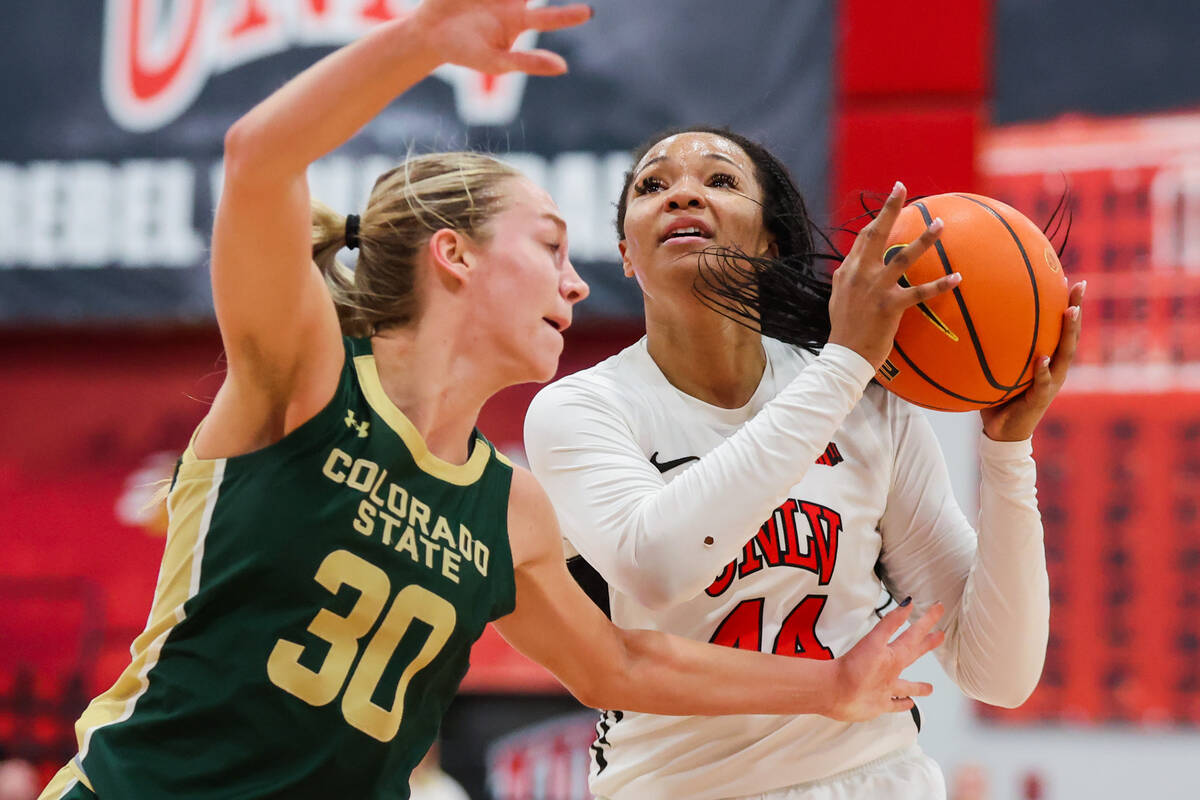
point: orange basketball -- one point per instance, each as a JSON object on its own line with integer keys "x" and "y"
{"x": 975, "y": 346}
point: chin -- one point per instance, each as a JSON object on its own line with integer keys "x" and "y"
{"x": 538, "y": 368}
{"x": 545, "y": 365}
{"x": 546, "y": 371}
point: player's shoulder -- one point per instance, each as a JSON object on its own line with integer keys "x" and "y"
{"x": 532, "y": 523}
{"x": 607, "y": 384}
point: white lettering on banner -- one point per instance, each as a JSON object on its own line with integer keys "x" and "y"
{"x": 139, "y": 213}
{"x": 583, "y": 184}
{"x": 158, "y": 54}
{"x": 585, "y": 187}
{"x": 88, "y": 214}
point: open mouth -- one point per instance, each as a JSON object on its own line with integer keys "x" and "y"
{"x": 558, "y": 325}
{"x": 687, "y": 231}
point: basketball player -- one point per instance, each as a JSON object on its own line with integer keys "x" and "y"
{"x": 339, "y": 532}
{"x": 733, "y": 489}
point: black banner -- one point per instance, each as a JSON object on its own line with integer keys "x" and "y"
{"x": 111, "y": 163}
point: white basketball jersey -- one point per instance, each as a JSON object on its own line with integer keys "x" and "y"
{"x": 803, "y": 584}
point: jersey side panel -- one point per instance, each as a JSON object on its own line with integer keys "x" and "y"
{"x": 191, "y": 505}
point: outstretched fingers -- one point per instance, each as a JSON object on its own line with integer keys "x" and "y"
{"x": 922, "y": 627}
{"x": 903, "y": 688}
{"x": 920, "y": 637}
{"x": 554, "y": 18}
{"x": 922, "y": 292}
{"x": 1068, "y": 341}
{"x": 535, "y": 62}
{"x": 872, "y": 239}
{"x": 891, "y": 622}
{"x": 907, "y": 256}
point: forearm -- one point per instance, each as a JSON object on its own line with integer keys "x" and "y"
{"x": 999, "y": 634}
{"x": 665, "y": 674}
{"x": 322, "y": 107}
{"x": 663, "y": 543}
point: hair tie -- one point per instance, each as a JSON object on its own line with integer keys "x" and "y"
{"x": 352, "y": 231}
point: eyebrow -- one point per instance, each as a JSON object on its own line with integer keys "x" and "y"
{"x": 713, "y": 155}
{"x": 556, "y": 219}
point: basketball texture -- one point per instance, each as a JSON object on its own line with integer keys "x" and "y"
{"x": 975, "y": 346}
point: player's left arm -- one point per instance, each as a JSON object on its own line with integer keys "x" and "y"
{"x": 604, "y": 666}
{"x": 994, "y": 583}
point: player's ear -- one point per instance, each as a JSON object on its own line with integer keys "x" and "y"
{"x": 451, "y": 256}
{"x": 626, "y": 264}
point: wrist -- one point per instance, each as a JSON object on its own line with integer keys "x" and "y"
{"x": 426, "y": 39}
{"x": 832, "y": 689}
{"x": 1007, "y": 435}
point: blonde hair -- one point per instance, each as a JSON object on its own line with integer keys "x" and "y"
{"x": 408, "y": 204}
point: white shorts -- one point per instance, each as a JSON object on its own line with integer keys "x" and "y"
{"x": 907, "y": 774}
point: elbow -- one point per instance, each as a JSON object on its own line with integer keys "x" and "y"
{"x": 606, "y": 687}
{"x": 597, "y": 694}
{"x": 1009, "y": 697}
{"x": 1010, "y": 692}
{"x": 657, "y": 578}
{"x": 247, "y": 156}
{"x": 237, "y": 149}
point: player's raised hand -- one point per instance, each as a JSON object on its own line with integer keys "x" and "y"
{"x": 480, "y": 33}
{"x": 867, "y": 300}
{"x": 869, "y": 682}
{"x": 1015, "y": 420}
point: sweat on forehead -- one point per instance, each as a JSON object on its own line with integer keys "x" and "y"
{"x": 697, "y": 143}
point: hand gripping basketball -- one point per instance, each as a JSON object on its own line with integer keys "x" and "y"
{"x": 867, "y": 299}
{"x": 1015, "y": 420}
{"x": 868, "y": 679}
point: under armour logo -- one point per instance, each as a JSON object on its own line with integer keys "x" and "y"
{"x": 352, "y": 422}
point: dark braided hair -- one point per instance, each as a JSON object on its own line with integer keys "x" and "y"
{"x": 785, "y": 297}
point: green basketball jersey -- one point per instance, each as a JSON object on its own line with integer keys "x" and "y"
{"x": 314, "y": 614}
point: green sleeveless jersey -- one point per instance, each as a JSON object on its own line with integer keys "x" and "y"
{"x": 314, "y": 613}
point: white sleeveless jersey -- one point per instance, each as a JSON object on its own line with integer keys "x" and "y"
{"x": 763, "y": 531}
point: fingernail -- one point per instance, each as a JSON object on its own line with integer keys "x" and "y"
{"x": 906, "y": 601}
{"x": 1046, "y": 362}
{"x": 1073, "y": 313}
{"x": 955, "y": 278}
{"x": 1082, "y": 290}
{"x": 937, "y": 225}
{"x": 897, "y": 188}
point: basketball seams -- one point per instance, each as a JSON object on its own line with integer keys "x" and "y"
{"x": 964, "y": 311}
{"x": 935, "y": 384}
{"x": 1037, "y": 308}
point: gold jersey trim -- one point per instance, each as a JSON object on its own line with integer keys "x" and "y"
{"x": 63, "y": 781}
{"x": 190, "y": 504}
{"x": 458, "y": 474}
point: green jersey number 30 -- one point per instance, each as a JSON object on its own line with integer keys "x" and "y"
{"x": 342, "y": 568}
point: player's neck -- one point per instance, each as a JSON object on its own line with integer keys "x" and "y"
{"x": 439, "y": 391}
{"x": 709, "y": 357}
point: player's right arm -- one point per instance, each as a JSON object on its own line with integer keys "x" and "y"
{"x": 661, "y": 543}
{"x": 604, "y": 666}
{"x": 277, "y": 321}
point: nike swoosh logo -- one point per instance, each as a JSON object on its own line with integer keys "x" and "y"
{"x": 667, "y": 466}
